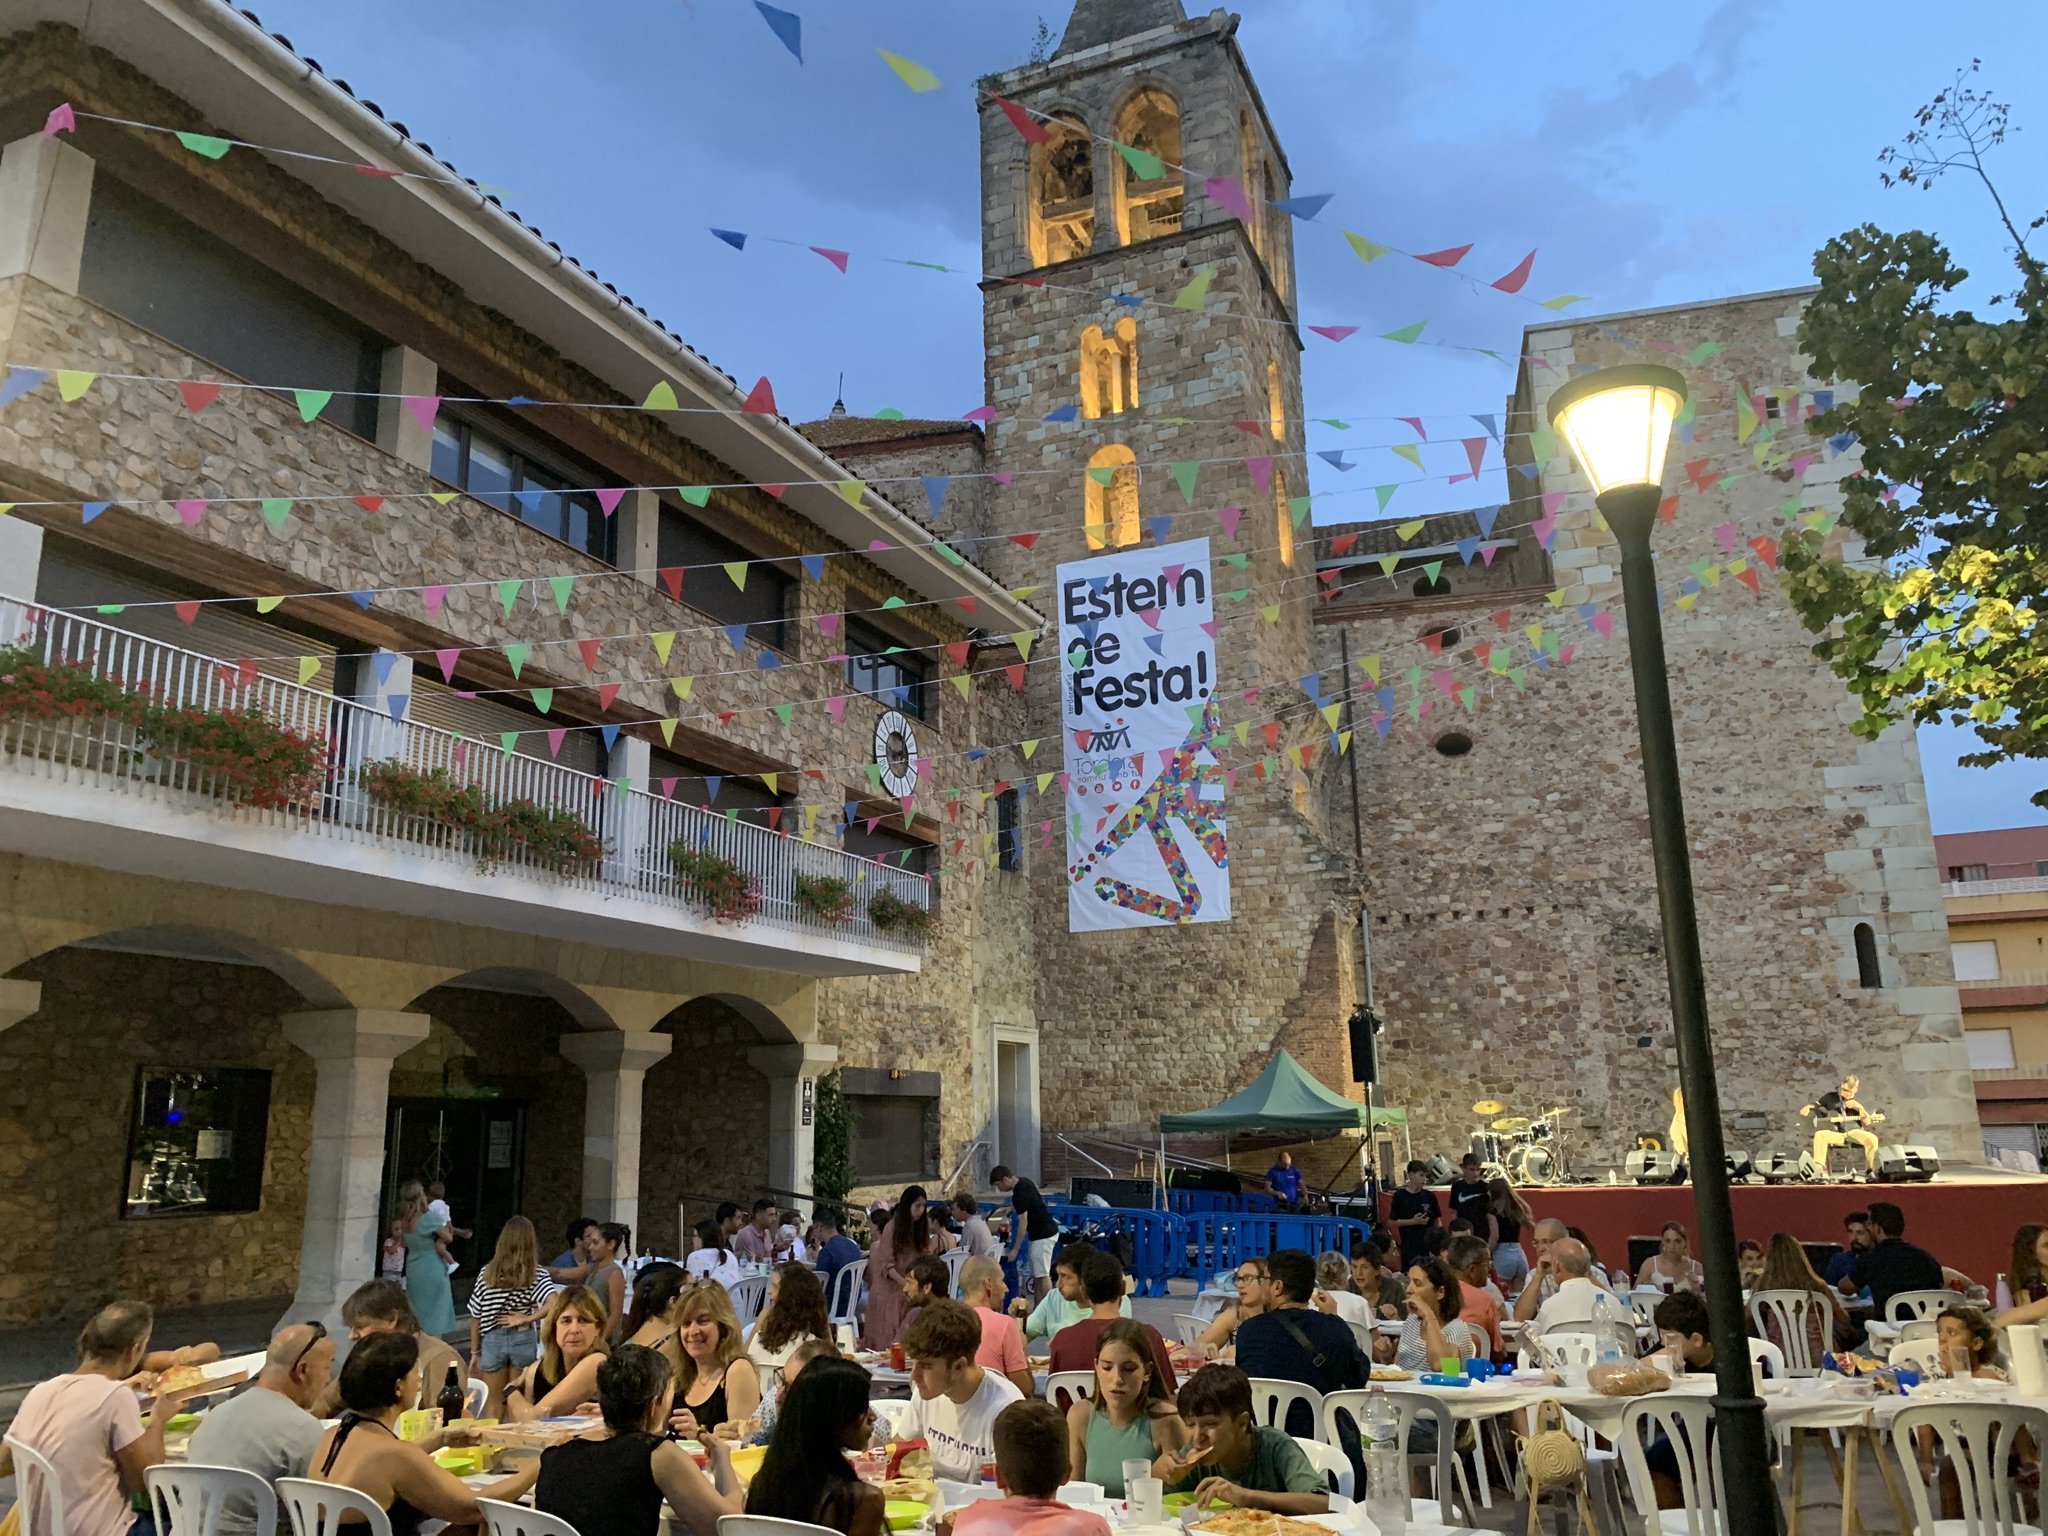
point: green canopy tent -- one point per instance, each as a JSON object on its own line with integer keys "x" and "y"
{"x": 1284, "y": 1097}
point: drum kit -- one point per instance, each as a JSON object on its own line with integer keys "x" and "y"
{"x": 1521, "y": 1148}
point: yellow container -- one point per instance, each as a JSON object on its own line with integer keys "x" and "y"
{"x": 746, "y": 1461}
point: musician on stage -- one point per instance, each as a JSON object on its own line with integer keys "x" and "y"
{"x": 1845, "y": 1121}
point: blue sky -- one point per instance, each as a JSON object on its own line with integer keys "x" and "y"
{"x": 1650, "y": 154}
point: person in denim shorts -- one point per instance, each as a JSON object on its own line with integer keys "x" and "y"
{"x": 505, "y": 1310}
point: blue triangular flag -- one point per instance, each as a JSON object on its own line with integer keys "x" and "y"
{"x": 1158, "y": 644}
{"x": 1531, "y": 470}
{"x": 935, "y": 491}
{"x": 1129, "y": 300}
{"x": 1467, "y": 548}
{"x": 1159, "y": 528}
{"x": 363, "y": 599}
{"x": 1689, "y": 586}
{"x": 20, "y": 381}
{"x": 1486, "y": 516}
{"x": 1098, "y": 585}
{"x": 1334, "y": 457}
{"x": 396, "y": 704}
{"x": 529, "y": 496}
{"x": 1312, "y": 685}
{"x": 1489, "y": 421}
{"x": 786, "y": 25}
{"x": 767, "y": 661}
{"x": 1063, "y": 413}
{"x": 1842, "y": 442}
{"x": 814, "y": 566}
{"x": 737, "y": 634}
{"x": 1586, "y": 612}
{"x": 1305, "y": 207}
{"x": 1090, "y": 628}
{"x": 381, "y": 663}
{"x": 976, "y": 754}
{"x": 610, "y": 733}
{"x": 711, "y": 783}
{"x": 520, "y": 400}
{"x": 1384, "y": 697}
{"x": 732, "y": 237}
{"x": 93, "y": 509}
{"x": 852, "y": 810}
{"x": 1381, "y": 722}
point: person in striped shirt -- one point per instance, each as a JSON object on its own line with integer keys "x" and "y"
{"x": 505, "y": 1310}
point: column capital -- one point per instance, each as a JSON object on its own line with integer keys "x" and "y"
{"x": 341, "y": 1034}
{"x": 797, "y": 1058}
{"x": 616, "y": 1050}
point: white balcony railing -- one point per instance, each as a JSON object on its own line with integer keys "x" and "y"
{"x": 2007, "y": 979}
{"x": 2016, "y": 1073}
{"x": 636, "y": 828}
{"x": 2014, "y": 887}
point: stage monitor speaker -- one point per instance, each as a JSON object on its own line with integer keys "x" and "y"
{"x": 1127, "y": 1194}
{"x": 1647, "y": 1167}
{"x": 1739, "y": 1165}
{"x": 1906, "y": 1165}
{"x": 1779, "y": 1167}
{"x": 1441, "y": 1169}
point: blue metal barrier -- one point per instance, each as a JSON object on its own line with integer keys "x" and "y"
{"x": 1203, "y": 1243}
{"x": 1158, "y": 1239}
{"x": 1191, "y": 1202}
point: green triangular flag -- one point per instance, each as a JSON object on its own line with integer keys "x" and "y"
{"x": 1196, "y": 294}
{"x": 516, "y": 653}
{"x": 1297, "y": 508}
{"x": 1543, "y": 443}
{"x": 275, "y": 510}
{"x": 912, "y": 74}
{"x": 1149, "y": 167}
{"x": 1102, "y": 474}
{"x": 660, "y": 398}
{"x": 206, "y": 144}
{"x": 561, "y": 586}
{"x": 737, "y": 570}
{"x": 1705, "y": 350}
{"x": 1406, "y": 333}
{"x": 1515, "y": 675}
{"x": 784, "y": 712}
{"x": 1430, "y": 569}
{"x": 1184, "y": 476}
{"x": 508, "y": 593}
{"x": 507, "y": 740}
{"x": 312, "y": 402}
{"x": 1385, "y": 493}
{"x": 1331, "y": 421}
{"x": 1368, "y": 250}
{"x": 543, "y": 699}
{"x": 1238, "y": 560}
{"x": 948, "y": 553}
{"x": 889, "y": 412}
{"x": 695, "y": 495}
{"x": 1563, "y": 300}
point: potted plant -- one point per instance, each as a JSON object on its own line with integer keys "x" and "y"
{"x": 252, "y": 758}
{"x": 891, "y": 914}
{"x": 32, "y": 689}
{"x": 714, "y": 882}
{"x": 548, "y": 837}
{"x": 824, "y": 898}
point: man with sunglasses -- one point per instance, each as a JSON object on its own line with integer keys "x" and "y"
{"x": 266, "y": 1428}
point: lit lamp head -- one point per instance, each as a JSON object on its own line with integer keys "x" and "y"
{"x": 1617, "y": 422}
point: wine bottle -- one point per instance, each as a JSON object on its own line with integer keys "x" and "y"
{"x": 452, "y": 1400}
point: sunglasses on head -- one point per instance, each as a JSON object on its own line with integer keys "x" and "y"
{"x": 319, "y": 1332}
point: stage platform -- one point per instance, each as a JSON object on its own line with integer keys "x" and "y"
{"x": 1966, "y": 1219}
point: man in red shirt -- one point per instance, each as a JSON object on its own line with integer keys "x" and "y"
{"x": 1102, "y": 1283}
{"x": 1002, "y": 1341}
{"x": 1468, "y": 1259}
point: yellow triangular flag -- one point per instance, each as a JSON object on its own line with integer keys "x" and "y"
{"x": 668, "y": 733}
{"x": 914, "y": 75}
{"x": 1556, "y": 597}
{"x": 1294, "y": 756}
{"x": 442, "y": 498}
{"x": 1409, "y": 529}
{"x": 1343, "y": 741}
{"x": 308, "y": 665}
{"x": 1535, "y": 633}
{"x": 267, "y": 604}
{"x": 769, "y": 779}
{"x": 1270, "y": 613}
{"x": 737, "y": 570}
{"x": 1043, "y": 780}
{"x": 1387, "y": 564}
{"x": 1243, "y": 729}
{"x": 851, "y": 491}
{"x": 1196, "y": 293}
{"x": 810, "y": 820}
{"x": 963, "y": 682}
{"x": 663, "y": 639}
{"x": 661, "y": 398}
{"x": 1030, "y": 747}
{"x": 682, "y": 686}
{"x": 73, "y": 382}
{"x": 1329, "y": 713}
{"x": 1371, "y": 665}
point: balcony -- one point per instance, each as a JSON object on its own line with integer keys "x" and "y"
{"x": 89, "y": 790}
{"x": 2016, "y": 887}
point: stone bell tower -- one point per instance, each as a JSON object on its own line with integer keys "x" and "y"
{"x": 1138, "y": 315}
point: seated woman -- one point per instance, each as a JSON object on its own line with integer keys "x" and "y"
{"x": 2027, "y": 1279}
{"x": 1131, "y": 1416}
{"x": 1432, "y": 1329}
{"x": 718, "y": 1385}
{"x": 615, "y": 1479}
{"x": 805, "y": 1475}
{"x": 400, "y": 1477}
{"x": 572, "y": 1347}
{"x": 1254, "y": 1294}
{"x": 651, "y": 1322}
{"x": 1672, "y": 1267}
{"x": 1334, "y": 1292}
{"x": 1786, "y": 1268}
{"x": 710, "y": 1259}
{"x": 794, "y": 1314}
{"x": 1969, "y": 1344}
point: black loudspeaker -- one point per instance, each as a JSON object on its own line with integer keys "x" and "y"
{"x": 1779, "y": 1167}
{"x": 1129, "y": 1194}
{"x": 1906, "y": 1165}
{"x": 1365, "y": 1050}
{"x": 1215, "y": 1180}
{"x": 1647, "y": 1167}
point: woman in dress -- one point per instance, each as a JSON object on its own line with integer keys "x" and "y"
{"x": 1511, "y": 1214}
{"x": 1786, "y": 1268}
{"x": 805, "y": 1475}
{"x": 572, "y": 1346}
{"x": 1672, "y": 1267}
{"x": 1131, "y": 1415}
{"x": 606, "y": 1277}
{"x": 426, "y": 1273}
{"x": 718, "y": 1384}
{"x": 615, "y": 1479}
{"x": 909, "y": 1233}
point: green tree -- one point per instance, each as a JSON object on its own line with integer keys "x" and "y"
{"x": 1940, "y": 623}
{"x": 831, "y": 1143}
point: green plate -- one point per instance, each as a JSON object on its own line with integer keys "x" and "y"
{"x": 181, "y": 1421}
{"x": 902, "y": 1514}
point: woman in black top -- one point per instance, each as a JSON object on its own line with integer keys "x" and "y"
{"x": 612, "y": 1482}
{"x": 805, "y": 1475}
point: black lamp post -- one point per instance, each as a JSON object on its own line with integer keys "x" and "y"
{"x": 1617, "y": 422}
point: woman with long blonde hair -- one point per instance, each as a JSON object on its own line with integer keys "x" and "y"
{"x": 504, "y": 1310}
{"x": 1787, "y": 1268}
{"x": 426, "y": 1271}
{"x": 572, "y": 1344}
{"x": 718, "y": 1384}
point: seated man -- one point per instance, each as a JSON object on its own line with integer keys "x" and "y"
{"x": 267, "y": 1428}
{"x": 1681, "y": 1320}
{"x": 1580, "y": 1306}
{"x": 1838, "y": 1120}
{"x": 1481, "y": 1304}
{"x": 1032, "y": 1461}
{"x": 954, "y": 1401}
{"x": 925, "y": 1281}
{"x": 1102, "y": 1282}
{"x": 1002, "y": 1341}
{"x": 1066, "y": 1302}
{"x": 381, "y": 1306}
{"x": 1232, "y": 1459}
{"x": 1290, "y": 1341}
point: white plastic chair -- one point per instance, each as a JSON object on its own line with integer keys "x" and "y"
{"x": 1977, "y": 1440}
{"x": 316, "y": 1509}
{"x": 954, "y": 1258}
{"x": 476, "y": 1397}
{"x": 1568, "y": 1348}
{"x": 1446, "y": 1470}
{"x": 769, "y": 1525}
{"x": 1919, "y": 1306}
{"x": 42, "y": 1516}
{"x": 1922, "y": 1355}
{"x": 1363, "y": 1334}
{"x": 748, "y": 1297}
{"x": 1684, "y": 1420}
{"x": 844, "y": 1302}
{"x": 502, "y": 1519}
{"x": 1190, "y": 1327}
{"x": 1791, "y": 1312}
{"x": 1274, "y": 1398}
{"x": 188, "y": 1499}
{"x": 1762, "y": 1352}
{"x": 892, "y": 1411}
{"x": 1076, "y": 1384}
{"x": 1644, "y": 1303}
{"x": 1329, "y": 1461}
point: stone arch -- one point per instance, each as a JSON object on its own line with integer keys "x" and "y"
{"x": 1109, "y": 497}
{"x": 1109, "y": 369}
{"x": 204, "y": 942}
{"x": 1283, "y": 516}
{"x": 1059, "y": 201}
{"x": 522, "y": 980}
{"x": 1147, "y": 129}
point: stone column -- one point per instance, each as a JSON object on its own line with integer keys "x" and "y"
{"x": 18, "y": 999}
{"x": 45, "y": 193}
{"x": 639, "y": 519}
{"x": 399, "y": 433}
{"x": 792, "y": 1071}
{"x": 614, "y": 1064}
{"x": 353, "y": 1049}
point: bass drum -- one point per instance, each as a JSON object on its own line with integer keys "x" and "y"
{"x": 1531, "y": 1165}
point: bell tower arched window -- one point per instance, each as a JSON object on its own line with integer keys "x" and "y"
{"x": 1254, "y": 170}
{"x": 1276, "y": 403}
{"x": 1110, "y": 497}
{"x": 1109, "y": 369}
{"x": 1061, "y": 198}
{"x": 1283, "y": 520}
{"x": 1148, "y": 204}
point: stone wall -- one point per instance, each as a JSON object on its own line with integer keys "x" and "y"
{"x": 704, "y": 1117}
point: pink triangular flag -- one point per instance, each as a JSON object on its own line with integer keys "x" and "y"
{"x": 1209, "y": 628}
{"x": 432, "y": 595}
{"x": 1229, "y": 516}
{"x": 609, "y": 499}
{"x": 828, "y": 624}
{"x": 836, "y": 707}
{"x": 424, "y": 409}
{"x": 837, "y": 258}
{"x": 980, "y": 413}
{"x": 1260, "y": 467}
{"x": 1512, "y": 282}
{"x": 668, "y": 789}
{"x": 61, "y": 120}
{"x": 1150, "y": 616}
{"x": 1444, "y": 678}
{"x": 1449, "y": 256}
{"x": 1545, "y": 529}
{"x": 460, "y": 753}
{"x": 555, "y": 738}
{"x": 907, "y": 804}
{"x": 1228, "y": 192}
{"x": 1604, "y": 622}
{"x": 760, "y": 399}
{"x": 1002, "y": 477}
{"x": 1725, "y": 537}
{"x": 1416, "y": 423}
{"x": 1334, "y": 332}
{"x": 1487, "y": 552}
{"x": 191, "y": 509}
{"x": 447, "y": 658}
{"x": 1475, "y": 452}
{"x": 1552, "y": 500}
{"x": 1172, "y": 572}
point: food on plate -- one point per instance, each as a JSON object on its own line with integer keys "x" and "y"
{"x": 1258, "y": 1522}
{"x": 915, "y": 1490}
{"x": 1391, "y": 1373}
{"x": 183, "y": 1378}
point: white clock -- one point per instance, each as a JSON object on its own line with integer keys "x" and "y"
{"x": 896, "y": 753}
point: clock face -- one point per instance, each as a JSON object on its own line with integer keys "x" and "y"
{"x": 896, "y": 753}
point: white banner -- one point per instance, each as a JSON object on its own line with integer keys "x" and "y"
{"x": 1145, "y": 832}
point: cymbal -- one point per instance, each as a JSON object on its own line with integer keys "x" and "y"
{"x": 1565, "y": 1110}
{"x": 1511, "y": 1123}
{"x": 1488, "y": 1107}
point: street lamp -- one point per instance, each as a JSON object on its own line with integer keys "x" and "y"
{"x": 1617, "y": 422}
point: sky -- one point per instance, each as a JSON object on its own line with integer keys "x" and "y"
{"x": 1648, "y": 154}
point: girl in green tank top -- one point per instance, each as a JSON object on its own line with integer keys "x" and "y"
{"x": 1130, "y": 1417}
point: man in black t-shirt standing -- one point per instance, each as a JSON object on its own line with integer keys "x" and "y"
{"x": 1413, "y": 1211}
{"x": 1032, "y": 1230}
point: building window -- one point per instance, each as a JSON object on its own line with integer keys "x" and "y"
{"x": 1009, "y": 832}
{"x": 516, "y": 479}
{"x": 1147, "y": 206}
{"x": 895, "y": 1124}
{"x": 1110, "y": 497}
{"x": 762, "y": 605}
{"x": 1962, "y": 872}
{"x": 1276, "y": 403}
{"x": 195, "y": 1146}
{"x": 1109, "y": 369}
{"x": 2040, "y": 868}
{"x": 1061, "y": 223}
{"x": 1276, "y": 233}
{"x": 1283, "y": 516}
{"x": 1868, "y": 975}
{"x": 1975, "y": 960}
{"x": 1990, "y": 1049}
{"x": 882, "y": 669}
{"x": 1254, "y": 167}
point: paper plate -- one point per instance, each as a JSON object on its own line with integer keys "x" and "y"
{"x": 901, "y": 1514}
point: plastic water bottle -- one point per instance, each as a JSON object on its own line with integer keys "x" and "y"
{"x": 1386, "y": 1465}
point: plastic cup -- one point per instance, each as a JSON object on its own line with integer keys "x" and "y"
{"x": 1135, "y": 1468}
{"x": 1147, "y": 1496}
{"x": 895, "y": 1357}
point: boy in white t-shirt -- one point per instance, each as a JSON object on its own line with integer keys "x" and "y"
{"x": 955, "y": 1401}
